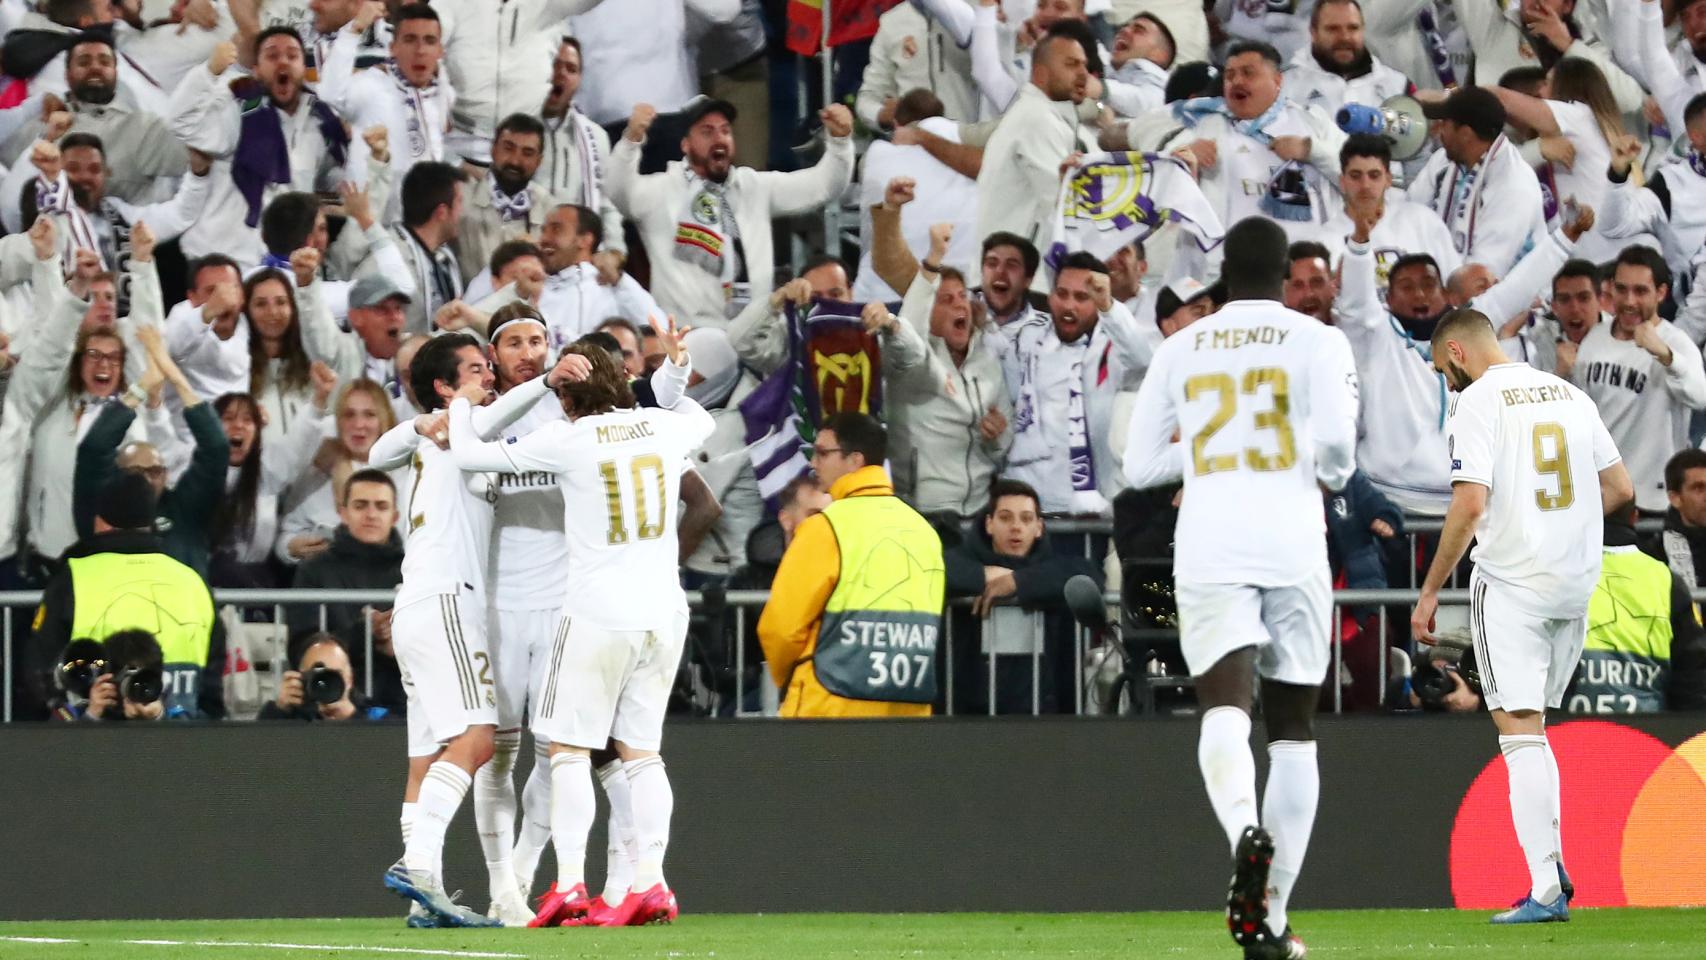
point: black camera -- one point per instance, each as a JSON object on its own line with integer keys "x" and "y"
{"x": 86, "y": 661}
{"x": 321, "y": 684}
{"x": 1431, "y": 678}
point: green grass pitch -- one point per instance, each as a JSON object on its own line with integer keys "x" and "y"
{"x": 1364, "y": 935}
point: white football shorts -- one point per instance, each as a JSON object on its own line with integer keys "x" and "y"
{"x": 1526, "y": 660}
{"x": 1289, "y": 626}
{"x": 521, "y": 644}
{"x": 602, "y": 683}
{"x": 440, "y": 643}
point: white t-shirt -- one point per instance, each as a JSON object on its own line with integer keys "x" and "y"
{"x": 1264, "y": 400}
{"x": 620, "y": 474}
{"x": 1537, "y": 444}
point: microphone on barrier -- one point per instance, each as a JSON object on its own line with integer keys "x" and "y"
{"x": 1399, "y": 120}
{"x": 1084, "y": 599}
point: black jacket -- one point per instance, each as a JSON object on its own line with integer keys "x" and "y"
{"x": 186, "y": 511}
{"x": 59, "y": 609}
{"x": 1696, "y": 536}
{"x": 350, "y": 564}
{"x": 1687, "y": 641}
{"x": 1039, "y": 577}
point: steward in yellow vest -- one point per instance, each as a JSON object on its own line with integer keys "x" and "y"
{"x": 855, "y": 612}
{"x": 1645, "y": 652}
{"x": 121, "y": 579}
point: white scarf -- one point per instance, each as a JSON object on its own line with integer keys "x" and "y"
{"x": 578, "y": 128}
{"x": 511, "y": 208}
{"x": 420, "y": 127}
{"x": 706, "y": 226}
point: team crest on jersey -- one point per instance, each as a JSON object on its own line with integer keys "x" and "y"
{"x": 705, "y": 209}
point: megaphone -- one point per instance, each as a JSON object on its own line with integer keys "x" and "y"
{"x": 1399, "y": 120}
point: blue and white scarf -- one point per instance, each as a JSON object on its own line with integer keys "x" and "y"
{"x": 1196, "y": 110}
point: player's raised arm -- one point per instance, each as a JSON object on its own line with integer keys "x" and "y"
{"x": 1333, "y": 398}
{"x": 669, "y": 380}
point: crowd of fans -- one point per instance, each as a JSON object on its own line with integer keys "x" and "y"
{"x": 233, "y": 222}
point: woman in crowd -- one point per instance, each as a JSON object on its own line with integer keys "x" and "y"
{"x": 68, "y": 372}
{"x": 247, "y": 522}
{"x": 363, "y": 413}
{"x": 1576, "y": 106}
{"x": 280, "y": 378}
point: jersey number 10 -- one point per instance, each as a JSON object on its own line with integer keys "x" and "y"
{"x": 642, "y": 471}
{"x": 1276, "y": 418}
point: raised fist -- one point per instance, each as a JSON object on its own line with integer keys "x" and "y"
{"x": 222, "y": 57}
{"x": 141, "y": 243}
{"x": 45, "y": 156}
{"x": 42, "y": 238}
{"x": 378, "y": 142}
{"x": 837, "y": 120}
{"x": 640, "y": 122}
{"x": 305, "y": 263}
{"x": 899, "y": 192}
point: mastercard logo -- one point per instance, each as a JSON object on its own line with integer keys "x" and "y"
{"x": 1633, "y": 831}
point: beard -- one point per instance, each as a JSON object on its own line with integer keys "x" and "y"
{"x": 1359, "y": 65}
{"x": 84, "y": 197}
{"x": 94, "y": 91}
{"x": 1422, "y": 328}
{"x": 1456, "y": 377}
{"x": 511, "y": 180}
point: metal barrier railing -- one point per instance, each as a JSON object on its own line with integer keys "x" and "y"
{"x": 1376, "y": 602}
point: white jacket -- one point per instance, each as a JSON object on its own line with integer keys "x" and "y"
{"x": 499, "y": 55}
{"x": 910, "y": 53}
{"x": 1402, "y": 447}
{"x": 206, "y": 116}
{"x": 1018, "y": 187}
{"x": 655, "y": 203}
{"x": 1308, "y": 84}
{"x": 568, "y": 141}
{"x": 1041, "y": 453}
{"x": 639, "y": 51}
{"x": 1502, "y": 212}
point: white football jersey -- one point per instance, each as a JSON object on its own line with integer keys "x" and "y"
{"x": 1263, "y": 401}
{"x": 449, "y": 517}
{"x": 1537, "y": 443}
{"x": 529, "y": 556}
{"x": 620, "y": 474}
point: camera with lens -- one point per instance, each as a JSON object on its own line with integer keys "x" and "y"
{"x": 322, "y": 685}
{"x": 1431, "y": 678}
{"x": 130, "y": 657}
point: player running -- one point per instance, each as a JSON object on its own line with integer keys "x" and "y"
{"x": 439, "y": 624}
{"x": 1522, "y": 443}
{"x": 1264, "y": 401}
{"x": 624, "y": 615}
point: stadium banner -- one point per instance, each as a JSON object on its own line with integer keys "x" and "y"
{"x": 184, "y": 820}
{"x": 834, "y": 364}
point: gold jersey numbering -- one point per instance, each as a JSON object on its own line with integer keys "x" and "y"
{"x": 1555, "y": 464}
{"x": 642, "y": 470}
{"x": 1277, "y": 417}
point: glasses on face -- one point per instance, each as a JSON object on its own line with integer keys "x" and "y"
{"x": 814, "y": 452}
{"x": 96, "y": 356}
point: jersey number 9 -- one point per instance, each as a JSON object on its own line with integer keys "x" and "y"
{"x": 1556, "y": 464}
{"x": 641, "y": 471}
{"x": 1276, "y": 418}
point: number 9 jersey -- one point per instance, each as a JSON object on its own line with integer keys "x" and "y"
{"x": 1537, "y": 443}
{"x": 1255, "y": 407}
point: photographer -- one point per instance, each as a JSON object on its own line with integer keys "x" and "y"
{"x": 322, "y": 687}
{"x": 120, "y": 578}
{"x": 116, "y": 680}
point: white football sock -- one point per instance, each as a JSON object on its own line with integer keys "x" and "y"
{"x": 407, "y": 820}
{"x": 654, "y": 802}
{"x": 1557, "y": 802}
{"x": 1531, "y": 811}
{"x": 1288, "y": 812}
{"x": 494, "y": 811}
{"x": 442, "y": 790}
{"x": 1228, "y": 770}
{"x": 535, "y": 833}
{"x": 572, "y": 810}
{"x": 619, "y": 850}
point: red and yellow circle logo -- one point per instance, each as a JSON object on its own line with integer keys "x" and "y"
{"x": 1633, "y": 832}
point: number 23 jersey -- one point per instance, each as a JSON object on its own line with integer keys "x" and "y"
{"x": 1537, "y": 443}
{"x": 1263, "y": 403}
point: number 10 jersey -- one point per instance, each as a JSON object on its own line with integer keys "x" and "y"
{"x": 1253, "y": 406}
{"x": 1537, "y": 443}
